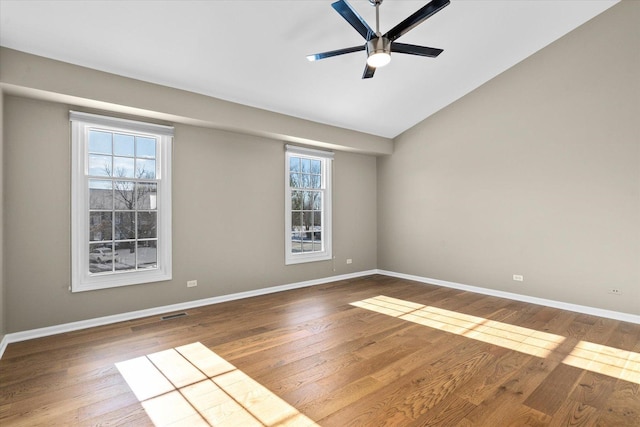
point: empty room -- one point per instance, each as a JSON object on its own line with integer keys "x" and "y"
{"x": 320, "y": 213}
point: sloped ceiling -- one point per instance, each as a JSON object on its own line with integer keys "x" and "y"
{"x": 253, "y": 52}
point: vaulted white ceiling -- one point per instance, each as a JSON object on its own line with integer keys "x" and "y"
{"x": 253, "y": 52}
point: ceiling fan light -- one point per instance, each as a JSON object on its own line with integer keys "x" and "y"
{"x": 378, "y": 52}
{"x": 378, "y": 59}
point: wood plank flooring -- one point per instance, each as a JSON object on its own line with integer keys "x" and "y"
{"x": 331, "y": 363}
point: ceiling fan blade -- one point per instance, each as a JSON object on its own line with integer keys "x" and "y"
{"x": 352, "y": 17}
{"x": 323, "y": 55}
{"x": 368, "y": 72}
{"x": 412, "y": 49}
{"x": 416, "y": 18}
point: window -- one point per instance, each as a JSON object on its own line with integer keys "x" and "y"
{"x": 121, "y": 202}
{"x": 307, "y": 205}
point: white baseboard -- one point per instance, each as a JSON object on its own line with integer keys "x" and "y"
{"x": 106, "y": 320}
{"x": 610, "y": 314}
{"x": 4, "y": 342}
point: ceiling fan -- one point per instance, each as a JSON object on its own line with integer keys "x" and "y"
{"x": 379, "y": 46}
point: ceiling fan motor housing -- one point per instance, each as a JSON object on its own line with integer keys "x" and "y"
{"x": 378, "y": 45}
{"x": 378, "y": 51}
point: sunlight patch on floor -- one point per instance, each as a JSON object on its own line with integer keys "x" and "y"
{"x": 526, "y": 340}
{"x": 605, "y": 360}
{"x": 193, "y": 386}
{"x": 598, "y": 358}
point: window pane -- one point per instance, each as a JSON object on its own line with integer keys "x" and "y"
{"x": 296, "y": 219}
{"x": 294, "y": 164}
{"x": 146, "y": 147}
{"x": 148, "y": 254}
{"x": 307, "y": 246}
{"x": 146, "y": 168}
{"x": 146, "y": 195}
{"x": 315, "y": 181}
{"x": 100, "y": 258}
{"x": 315, "y": 166}
{"x": 307, "y": 219}
{"x": 125, "y": 226}
{"x": 99, "y": 142}
{"x": 317, "y": 201}
{"x": 297, "y": 232}
{"x": 100, "y": 226}
{"x": 296, "y": 200}
{"x": 123, "y": 145}
{"x": 295, "y": 180}
{"x": 100, "y": 194}
{"x": 306, "y": 165}
{"x": 147, "y": 225}
{"x": 125, "y": 256}
{"x": 99, "y": 165}
{"x": 317, "y": 244}
{"x": 123, "y": 195}
{"x": 306, "y": 182}
{"x": 123, "y": 167}
{"x": 296, "y": 246}
{"x": 307, "y": 202}
{"x": 317, "y": 219}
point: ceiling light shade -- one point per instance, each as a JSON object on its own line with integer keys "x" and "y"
{"x": 378, "y": 52}
{"x": 379, "y": 59}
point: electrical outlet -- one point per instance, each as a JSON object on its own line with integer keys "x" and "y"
{"x": 615, "y": 291}
{"x": 349, "y": 261}
{"x": 518, "y": 278}
{"x": 192, "y": 283}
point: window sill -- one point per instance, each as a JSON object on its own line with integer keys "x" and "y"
{"x": 304, "y": 258}
{"x": 95, "y": 282}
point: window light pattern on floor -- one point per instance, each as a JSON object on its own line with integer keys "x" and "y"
{"x": 193, "y": 386}
{"x": 605, "y": 360}
{"x": 598, "y": 358}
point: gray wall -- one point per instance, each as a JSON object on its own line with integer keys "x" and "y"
{"x": 228, "y": 219}
{"x": 535, "y": 173}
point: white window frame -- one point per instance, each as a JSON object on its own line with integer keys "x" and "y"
{"x": 326, "y": 158}
{"x": 81, "y": 278}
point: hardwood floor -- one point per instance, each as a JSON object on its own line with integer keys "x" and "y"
{"x": 425, "y": 355}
